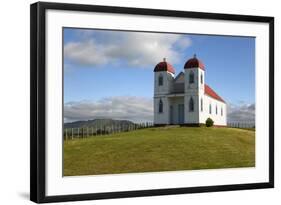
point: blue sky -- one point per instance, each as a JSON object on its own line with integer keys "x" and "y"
{"x": 101, "y": 65}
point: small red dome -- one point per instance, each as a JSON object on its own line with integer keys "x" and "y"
{"x": 194, "y": 63}
{"x": 164, "y": 66}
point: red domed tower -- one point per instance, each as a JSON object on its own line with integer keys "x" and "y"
{"x": 163, "y": 85}
{"x": 194, "y": 89}
{"x": 194, "y": 63}
{"x": 163, "y": 77}
{"x": 164, "y": 66}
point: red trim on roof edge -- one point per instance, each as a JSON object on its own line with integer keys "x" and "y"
{"x": 210, "y": 92}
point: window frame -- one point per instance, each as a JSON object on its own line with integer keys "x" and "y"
{"x": 160, "y": 106}
{"x": 160, "y": 79}
{"x": 191, "y": 77}
{"x": 191, "y": 105}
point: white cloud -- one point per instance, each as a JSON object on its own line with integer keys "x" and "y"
{"x": 244, "y": 113}
{"x": 183, "y": 43}
{"x": 134, "y": 48}
{"x": 86, "y": 52}
{"x": 136, "y": 109}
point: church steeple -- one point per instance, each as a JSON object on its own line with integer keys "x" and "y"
{"x": 194, "y": 63}
{"x": 164, "y": 66}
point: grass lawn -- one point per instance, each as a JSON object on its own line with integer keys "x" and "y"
{"x": 160, "y": 149}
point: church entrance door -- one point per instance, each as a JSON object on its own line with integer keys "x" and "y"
{"x": 171, "y": 115}
{"x": 181, "y": 113}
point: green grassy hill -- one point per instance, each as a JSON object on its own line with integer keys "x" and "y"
{"x": 160, "y": 149}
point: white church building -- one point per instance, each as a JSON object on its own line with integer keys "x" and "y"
{"x": 185, "y": 99}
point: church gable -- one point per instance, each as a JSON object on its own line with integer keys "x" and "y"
{"x": 179, "y": 78}
{"x": 210, "y": 92}
{"x": 178, "y": 86}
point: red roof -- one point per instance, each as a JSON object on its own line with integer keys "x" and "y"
{"x": 210, "y": 92}
{"x": 194, "y": 63}
{"x": 164, "y": 66}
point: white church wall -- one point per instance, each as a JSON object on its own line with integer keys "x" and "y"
{"x": 161, "y": 118}
{"x": 167, "y": 82}
{"x": 201, "y": 85}
{"x": 197, "y": 85}
{"x": 216, "y": 117}
{"x": 191, "y": 87}
{"x": 191, "y": 117}
{"x": 160, "y": 92}
{"x": 193, "y": 90}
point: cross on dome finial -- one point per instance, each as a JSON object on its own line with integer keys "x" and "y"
{"x": 164, "y": 59}
{"x": 194, "y": 55}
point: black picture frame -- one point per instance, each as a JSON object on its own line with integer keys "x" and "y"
{"x": 38, "y": 104}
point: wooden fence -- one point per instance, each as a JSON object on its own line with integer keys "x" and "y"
{"x": 71, "y": 133}
{"x": 241, "y": 124}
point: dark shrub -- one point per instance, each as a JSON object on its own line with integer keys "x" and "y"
{"x": 209, "y": 122}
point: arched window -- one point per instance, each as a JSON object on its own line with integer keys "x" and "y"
{"x": 216, "y": 109}
{"x": 210, "y": 108}
{"x": 160, "y": 108}
{"x": 201, "y": 78}
{"x": 221, "y": 111}
{"x": 191, "y": 105}
{"x": 201, "y": 105}
{"x": 160, "y": 80}
{"x": 191, "y": 77}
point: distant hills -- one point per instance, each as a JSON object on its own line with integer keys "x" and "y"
{"x": 98, "y": 123}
